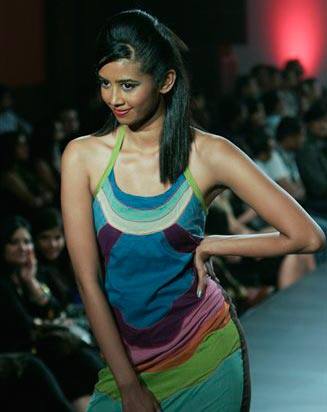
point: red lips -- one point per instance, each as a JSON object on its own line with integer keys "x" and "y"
{"x": 120, "y": 113}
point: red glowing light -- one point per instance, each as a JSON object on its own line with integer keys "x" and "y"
{"x": 296, "y": 31}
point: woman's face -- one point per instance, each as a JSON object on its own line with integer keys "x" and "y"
{"x": 319, "y": 127}
{"x": 18, "y": 247}
{"x": 50, "y": 243}
{"x": 131, "y": 95}
{"x": 58, "y": 132}
{"x": 70, "y": 121}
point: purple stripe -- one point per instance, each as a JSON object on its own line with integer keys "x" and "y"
{"x": 107, "y": 237}
{"x": 211, "y": 304}
{"x": 169, "y": 327}
{"x": 181, "y": 240}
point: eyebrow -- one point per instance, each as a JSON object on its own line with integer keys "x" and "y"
{"x": 118, "y": 81}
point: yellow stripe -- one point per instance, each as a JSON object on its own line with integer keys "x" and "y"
{"x": 114, "y": 154}
{"x": 195, "y": 188}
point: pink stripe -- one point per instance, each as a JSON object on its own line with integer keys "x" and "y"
{"x": 212, "y": 302}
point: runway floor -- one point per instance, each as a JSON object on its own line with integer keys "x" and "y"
{"x": 287, "y": 339}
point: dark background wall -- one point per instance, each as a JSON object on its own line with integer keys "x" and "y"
{"x": 49, "y": 45}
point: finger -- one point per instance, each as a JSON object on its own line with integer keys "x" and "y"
{"x": 202, "y": 278}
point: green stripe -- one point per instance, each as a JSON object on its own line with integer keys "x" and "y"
{"x": 142, "y": 227}
{"x": 215, "y": 347}
{"x": 114, "y": 154}
{"x": 213, "y": 394}
{"x": 195, "y": 188}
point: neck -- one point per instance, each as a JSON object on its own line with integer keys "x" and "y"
{"x": 146, "y": 137}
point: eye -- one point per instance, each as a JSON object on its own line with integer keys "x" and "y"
{"x": 128, "y": 86}
{"x": 104, "y": 83}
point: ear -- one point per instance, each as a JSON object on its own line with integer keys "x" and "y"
{"x": 168, "y": 82}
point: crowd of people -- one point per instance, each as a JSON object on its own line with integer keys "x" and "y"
{"x": 278, "y": 117}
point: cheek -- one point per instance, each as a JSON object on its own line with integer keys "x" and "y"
{"x": 10, "y": 253}
{"x": 61, "y": 244}
{"x": 145, "y": 97}
{"x": 43, "y": 245}
{"x": 7, "y": 253}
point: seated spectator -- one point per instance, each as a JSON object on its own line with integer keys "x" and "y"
{"x": 69, "y": 118}
{"x": 288, "y": 92}
{"x": 46, "y": 152}
{"x": 268, "y": 159}
{"x": 261, "y": 73}
{"x": 275, "y": 76}
{"x": 28, "y": 318}
{"x": 53, "y": 257}
{"x": 233, "y": 115}
{"x": 274, "y": 108}
{"x": 256, "y": 117}
{"x": 311, "y": 89}
{"x": 277, "y": 272}
{"x": 247, "y": 87}
{"x": 290, "y": 139}
{"x": 10, "y": 121}
{"x": 295, "y": 67}
{"x": 312, "y": 159}
{"x": 27, "y": 384}
{"x": 22, "y": 190}
{"x": 221, "y": 220}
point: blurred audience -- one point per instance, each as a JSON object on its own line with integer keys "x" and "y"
{"x": 29, "y": 317}
{"x": 22, "y": 190}
{"x": 276, "y": 115}
{"x": 312, "y": 158}
{"x": 69, "y": 118}
{"x": 10, "y": 121}
{"x": 53, "y": 257}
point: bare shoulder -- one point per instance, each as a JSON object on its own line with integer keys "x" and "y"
{"x": 216, "y": 155}
{"x": 213, "y": 145}
{"x": 80, "y": 146}
{"x": 88, "y": 151}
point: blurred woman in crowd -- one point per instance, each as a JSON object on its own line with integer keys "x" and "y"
{"x": 27, "y": 307}
{"x": 22, "y": 190}
{"x": 52, "y": 256}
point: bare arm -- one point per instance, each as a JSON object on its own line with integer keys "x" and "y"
{"x": 294, "y": 189}
{"x": 76, "y": 202}
{"x": 246, "y": 216}
{"x": 296, "y": 231}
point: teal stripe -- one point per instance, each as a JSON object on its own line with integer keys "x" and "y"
{"x": 144, "y": 227}
{"x": 221, "y": 391}
{"x": 143, "y": 215}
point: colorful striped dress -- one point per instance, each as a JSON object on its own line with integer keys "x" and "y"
{"x": 189, "y": 351}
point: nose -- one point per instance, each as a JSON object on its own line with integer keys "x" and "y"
{"x": 23, "y": 247}
{"x": 116, "y": 97}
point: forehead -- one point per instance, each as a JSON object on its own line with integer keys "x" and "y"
{"x": 20, "y": 233}
{"x": 51, "y": 232}
{"x": 123, "y": 68}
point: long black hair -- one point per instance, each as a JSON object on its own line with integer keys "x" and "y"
{"x": 138, "y": 36}
{"x": 8, "y": 227}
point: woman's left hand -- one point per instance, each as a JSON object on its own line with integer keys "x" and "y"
{"x": 200, "y": 257}
{"x": 28, "y": 271}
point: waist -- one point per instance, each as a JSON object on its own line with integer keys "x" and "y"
{"x": 185, "y": 322}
